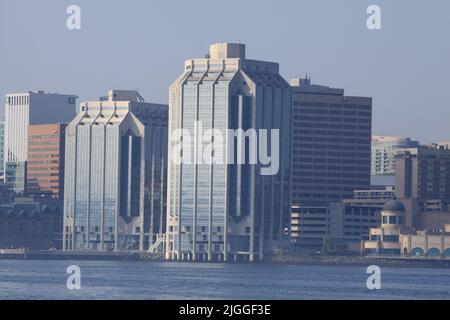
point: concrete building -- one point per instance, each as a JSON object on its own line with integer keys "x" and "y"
{"x": 426, "y": 243}
{"x": 31, "y": 224}
{"x": 382, "y": 181}
{"x": 385, "y": 239}
{"x": 2, "y": 148}
{"x": 394, "y": 238}
{"x": 349, "y": 220}
{"x": 331, "y": 141}
{"x": 353, "y": 218}
{"x": 218, "y": 211}
{"x": 22, "y": 110}
{"x": 383, "y": 153}
{"x": 45, "y": 166}
{"x": 423, "y": 183}
{"x": 115, "y": 174}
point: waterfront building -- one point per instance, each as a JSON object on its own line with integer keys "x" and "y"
{"x": 383, "y": 153}
{"x": 45, "y": 166}
{"x": 394, "y": 238}
{"x": 115, "y": 174}
{"x": 386, "y": 239}
{"x": 352, "y": 219}
{"x": 331, "y": 141}
{"x": 34, "y": 224}
{"x": 349, "y": 220}
{"x": 22, "y": 110}
{"x": 424, "y": 243}
{"x": 219, "y": 211}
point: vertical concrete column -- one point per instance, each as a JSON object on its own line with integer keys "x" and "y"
{"x": 400, "y": 239}
{"x": 425, "y": 253}
{"x": 409, "y": 245}
{"x": 442, "y": 246}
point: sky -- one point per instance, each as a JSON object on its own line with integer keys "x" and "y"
{"x": 142, "y": 44}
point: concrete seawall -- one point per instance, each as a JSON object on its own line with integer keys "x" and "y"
{"x": 363, "y": 261}
{"x": 80, "y": 255}
{"x": 400, "y": 262}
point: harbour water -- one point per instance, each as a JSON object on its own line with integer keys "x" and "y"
{"x": 40, "y": 279}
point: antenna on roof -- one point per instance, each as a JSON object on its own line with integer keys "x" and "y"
{"x": 308, "y": 78}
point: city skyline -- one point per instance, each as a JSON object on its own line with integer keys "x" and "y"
{"x": 203, "y": 151}
{"x": 374, "y": 64}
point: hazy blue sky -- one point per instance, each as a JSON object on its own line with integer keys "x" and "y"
{"x": 132, "y": 44}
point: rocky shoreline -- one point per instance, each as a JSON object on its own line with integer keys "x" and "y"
{"x": 352, "y": 261}
{"x": 393, "y": 262}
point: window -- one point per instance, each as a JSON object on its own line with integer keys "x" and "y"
{"x": 390, "y": 238}
{"x": 375, "y": 237}
{"x": 393, "y": 220}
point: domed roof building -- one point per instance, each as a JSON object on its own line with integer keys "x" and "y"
{"x": 394, "y": 205}
{"x": 394, "y": 238}
{"x": 386, "y": 239}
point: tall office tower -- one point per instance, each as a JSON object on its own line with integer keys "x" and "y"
{"x": 383, "y": 153}
{"x": 331, "y": 139}
{"x": 225, "y": 211}
{"x": 2, "y": 146}
{"x": 115, "y": 174}
{"x": 22, "y": 110}
{"x": 45, "y": 166}
{"x": 423, "y": 183}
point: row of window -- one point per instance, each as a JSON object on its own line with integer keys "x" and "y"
{"x": 349, "y": 159}
{"x": 333, "y": 126}
{"x": 333, "y": 105}
{"x": 332, "y": 112}
{"x": 50, "y": 136}
{"x": 393, "y": 220}
{"x": 17, "y": 100}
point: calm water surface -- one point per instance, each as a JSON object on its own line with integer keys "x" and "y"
{"x": 29, "y": 279}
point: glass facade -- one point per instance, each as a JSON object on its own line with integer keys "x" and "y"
{"x": 114, "y": 177}
{"x": 16, "y": 176}
{"x": 2, "y": 145}
{"x": 220, "y": 209}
